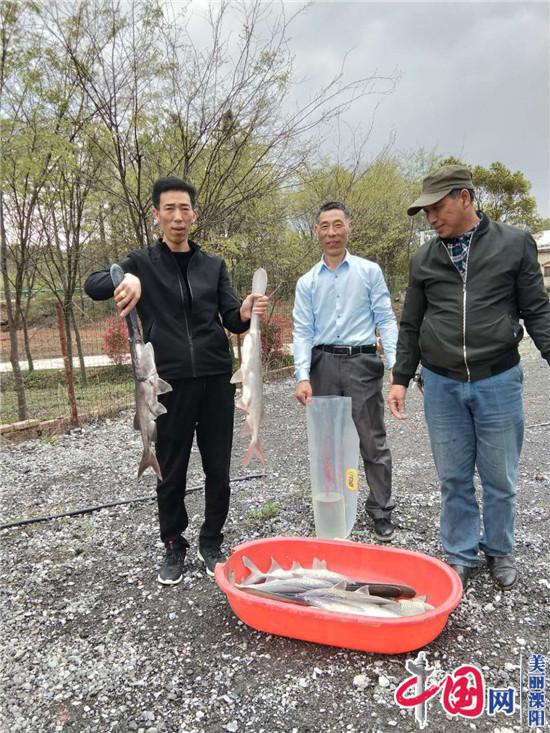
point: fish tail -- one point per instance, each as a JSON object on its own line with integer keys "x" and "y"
{"x": 149, "y": 459}
{"x": 254, "y": 449}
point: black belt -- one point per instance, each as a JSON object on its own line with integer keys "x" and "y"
{"x": 347, "y": 350}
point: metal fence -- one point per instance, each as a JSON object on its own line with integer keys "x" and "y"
{"x": 68, "y": 382}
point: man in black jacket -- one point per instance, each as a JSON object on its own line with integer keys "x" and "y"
{"x": 183, "y": 296}
{"x": 469, "y": 286}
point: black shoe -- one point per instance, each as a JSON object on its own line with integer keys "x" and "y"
{"x": 210, "y": 557}
{"x": 383, "y": 529}
{"x": 464, "y": 572}
{"x": 171, "y": 570}
{"x": 503, "y": 570}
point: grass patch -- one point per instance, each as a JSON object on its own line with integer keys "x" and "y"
{"x": 269, "y": 511}
{"x": 46, "y": 393}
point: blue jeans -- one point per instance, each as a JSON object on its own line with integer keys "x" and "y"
{"x": 476, "y": 425}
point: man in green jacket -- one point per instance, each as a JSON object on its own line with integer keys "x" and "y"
{"x": 469, "y": 286}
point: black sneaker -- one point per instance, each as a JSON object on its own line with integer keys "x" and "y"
{"x": 171, "y": 570}
{"x": 210, "y": 557}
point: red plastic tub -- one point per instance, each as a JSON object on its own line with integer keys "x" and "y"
{"x": 427, "y": 575}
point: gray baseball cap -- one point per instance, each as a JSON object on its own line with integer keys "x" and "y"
{"x": 440, "y": 183}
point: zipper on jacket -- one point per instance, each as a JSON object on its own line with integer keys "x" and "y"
{"x": 464, "y": 291}
{"x": 187, "y": 328}
{"x": 464, "y": 297}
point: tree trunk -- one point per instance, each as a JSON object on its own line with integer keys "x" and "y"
{"x": 12, "y": 322}
{"x": 26, "y": 339}
{"x": 83, "y": 375}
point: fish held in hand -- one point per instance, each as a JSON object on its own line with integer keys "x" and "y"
{"x": 148, "y": 385}
{"x": 250, "y": 376}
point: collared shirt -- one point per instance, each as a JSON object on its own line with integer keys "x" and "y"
{"x": 342, "y": 306}
{"x": 458, "y": 247}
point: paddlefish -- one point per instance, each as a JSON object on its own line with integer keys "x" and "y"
{"x": 250, "y": 376}
{"x": 148, "y": 385}
{"x": 320, "y": 571}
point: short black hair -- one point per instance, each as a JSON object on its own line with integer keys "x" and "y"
{"x": 330, "y": 205}
{"x": 173, "y": 183}
{"x": 456, "y": 192}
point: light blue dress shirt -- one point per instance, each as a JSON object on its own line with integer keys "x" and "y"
{"x": 341, "y": 307}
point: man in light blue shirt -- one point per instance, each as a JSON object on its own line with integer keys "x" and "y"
{"x": 339, "y": 304}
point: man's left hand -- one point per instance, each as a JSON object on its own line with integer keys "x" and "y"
{"x": 256, "y": 302}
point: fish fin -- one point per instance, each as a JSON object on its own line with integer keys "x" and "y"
{"x": 153, "y": 435}
{"x": 254, "y": 449}
{"x": 259, "y": 281}
{"x": 237, "y": 377}
{"x": 241, "y": 405}
{"x": 340, "y": 586}
{"x": 274, "y": 566}
{"x": 420, "y": 598}
{"x": 158, "y": 409}
{"x": 162, "y": 386}
{"x": 136, "y": 422}
{"x": 319, "y": 564}
{"x": 295, "y": 565}
{"x": 149, "y": 459}
{"x": 255, "y": 572}
{"x": 363, "y": 589}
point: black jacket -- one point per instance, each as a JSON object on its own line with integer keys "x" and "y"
{"x": 189, "y": 339}
{"x": 469, "y": 330}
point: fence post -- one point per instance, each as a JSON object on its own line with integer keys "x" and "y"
{"x": 68, "y": 365}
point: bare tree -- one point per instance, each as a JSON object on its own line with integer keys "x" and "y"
{"x": 216, "y": 112}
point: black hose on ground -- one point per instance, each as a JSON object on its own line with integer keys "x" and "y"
{"x": 136, "y": 500}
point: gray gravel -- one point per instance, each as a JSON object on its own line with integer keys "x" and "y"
{"x": 92, "y": 643}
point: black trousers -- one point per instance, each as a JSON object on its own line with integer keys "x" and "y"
{"x": 205, "y": 406}
{"x": 360, "y": 377}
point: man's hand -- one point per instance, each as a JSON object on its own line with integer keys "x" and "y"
{"x": 127, "y": 294}
{"x": 304, "y": 392}
{"x": 255, "y": 301}
{"x": 396, "y": 401}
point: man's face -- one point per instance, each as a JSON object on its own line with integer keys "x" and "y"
{"x": 450, "y": 217}
{"x": 333, "y": 231}
{"x": 175, "y": 216}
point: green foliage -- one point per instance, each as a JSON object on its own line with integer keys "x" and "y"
{"x": 268, "y": 511}
{"x": 502, "y": 194}
{"x": 377, "y": 197}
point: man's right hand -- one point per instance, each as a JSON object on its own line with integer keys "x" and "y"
{"x": 127, "y": 294}
{"x": 304, "y": 392}
{"x": 396, "y": 401}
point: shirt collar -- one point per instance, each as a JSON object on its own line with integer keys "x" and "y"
{"x": 322, "y": 264}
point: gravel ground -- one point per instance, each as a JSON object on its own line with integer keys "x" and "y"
{"x": 92, "y": 643}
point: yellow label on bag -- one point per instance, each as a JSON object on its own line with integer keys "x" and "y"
{"x": 351, "y": 479}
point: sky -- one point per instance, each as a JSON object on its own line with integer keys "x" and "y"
{"x": 473, "y": 77}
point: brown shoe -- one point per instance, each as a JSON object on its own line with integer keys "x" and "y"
{"x": 503, "y": 570}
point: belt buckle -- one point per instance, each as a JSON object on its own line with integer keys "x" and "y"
{"x": 344, "y": 350}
